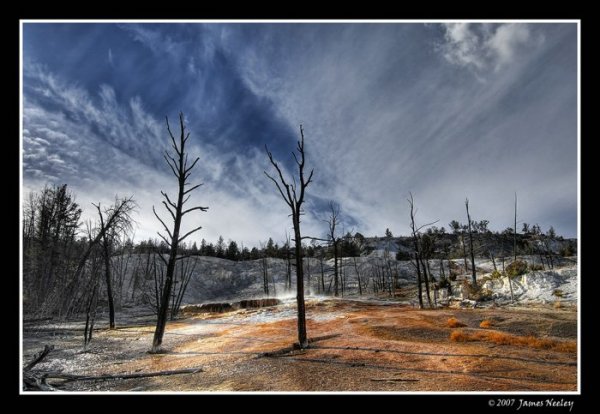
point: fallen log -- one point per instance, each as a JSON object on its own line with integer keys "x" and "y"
{"x": 38, "y": 380}
{"x": 37, "y": 358}
{"x": 394, "y": 379}
{"x": 74, "y": 377}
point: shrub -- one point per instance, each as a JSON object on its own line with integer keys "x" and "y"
{"x": 475, "y": 292}
{"x": 444, "y": 284}
{"x": 567, "y": 251}
{"x": 502, "y": 338}
{"x": 558, "y": 293}
{"x": 496, "y": 274}
{"x": 402, "y": 255}
{"x": 485, "y": 324}
{"x": 482, "y": 295}
{"x": 455, "y": 323}
{"x": 516, "y": 268}
{"x": 452, "y": 277}
{"x": 536, "y": 267}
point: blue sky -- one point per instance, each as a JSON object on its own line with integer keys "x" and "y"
{"x": 445, "y": 111}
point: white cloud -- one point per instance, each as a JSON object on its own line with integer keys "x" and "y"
{"x": 463, "y": 47}
{"x": 482, "y": 47}
{"x": 507, "y": 41}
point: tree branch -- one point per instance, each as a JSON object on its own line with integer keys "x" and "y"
{"x": 164, "y": 238}
{"x": 279, "y": 188}
{"x": 192, "y": 166}
{"x": 192, "y": 189}
{"x": 168, "y": 199}
{"x": 188, "y": 233}
{"x": 163, "y": 223}
{"x": 285, "y": 184}
{"x": 169, "y": 164}
{"x": 169, "y": 210}
{"x": 172, "y": 137}
{"x": 194, "y": 208}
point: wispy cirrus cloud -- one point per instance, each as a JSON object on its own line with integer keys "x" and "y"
{"x": 102, "y": 147}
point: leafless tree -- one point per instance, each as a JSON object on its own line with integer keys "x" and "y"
{"x": 419, "y": 264}
{"x": 512, "y": 298}
{"x": 116, "y": 217}
{"x": 332, "y": 222}
{"x": 92, "y": 301}
{"x": 120, "y": 222}
{"x": 265, "y": 269}
{"x": 473, "y": 270}
{"x": 293, "y": 195}
{"x": 178, "y": 163}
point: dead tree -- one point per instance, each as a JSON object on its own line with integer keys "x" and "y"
{"x": 414, "y": 231}
{"x": 360, "y": 288}
{"x": 473, "y": 270}
{"x": 265, "y": 269}
{"x": 178, "y": 163}
{"x": 420, "y": 266}
{"x": 332, "y": 222}
{"x": 294, "y": 197}
{"x": 512, "y": 297}
{"x": 122, "y": 223}
{"x": 322, "y": 272}
{"x": 116, "y": 218}
{"x": 90, "y": 311}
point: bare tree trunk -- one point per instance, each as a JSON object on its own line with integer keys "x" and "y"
{"x": 322, "y": 275}
{"x": 308, "y": 275}
{"x": 464, "y": 246}
{"x": 90, "y": 317}
{"x": 302, "y": 338}
{"x": 493, "y": 260}
{"x": 358, "y": 277}
{"x": 416, "y": 247}
{"x": 473, "y": 270}
{"x": 426, "y": 278}
{"x": 109, "y": 291}
{"x": 512, "y": 297}
{"x": 335, "y": 271}
{"x": 265, "y": 268}
{"x": 515, "y": 231}
{"x": 442, "y": 273}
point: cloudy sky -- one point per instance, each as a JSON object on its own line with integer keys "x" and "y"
{"x": 445, "y": 111}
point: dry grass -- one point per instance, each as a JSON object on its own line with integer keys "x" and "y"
{"x": 502, "y": 338}
{"x": 455, "y": 323}
{"x": 485, "y": 324}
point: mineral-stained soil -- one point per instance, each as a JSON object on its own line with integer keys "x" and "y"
{"x": 354, "y": 346}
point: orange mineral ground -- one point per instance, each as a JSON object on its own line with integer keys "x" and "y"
{"x": 354, "y": 346}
